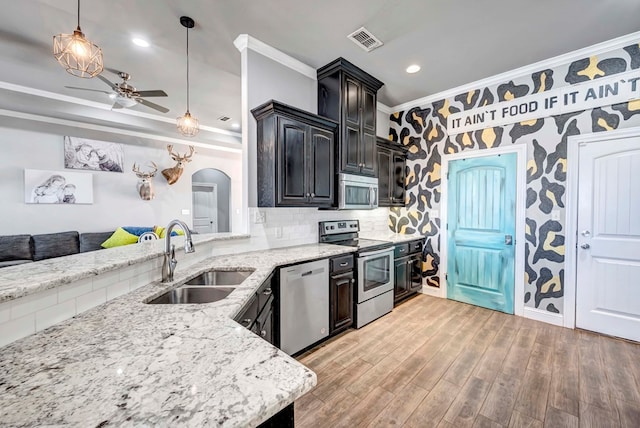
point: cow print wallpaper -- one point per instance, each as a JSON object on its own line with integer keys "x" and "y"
{"x": 423, "y": 131}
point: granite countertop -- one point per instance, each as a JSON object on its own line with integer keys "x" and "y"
{"x": 22, "y": 280}
{"x": 126, "y": 363}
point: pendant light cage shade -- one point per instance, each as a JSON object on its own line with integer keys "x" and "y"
{"x": 78, "y": 55}
{"x": 188, "y": 125}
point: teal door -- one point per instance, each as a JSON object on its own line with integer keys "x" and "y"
{"x": 481, "y": 231}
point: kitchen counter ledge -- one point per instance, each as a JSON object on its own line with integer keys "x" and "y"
{"x": 127, "y": 363}
{"x": 29, "y": 278}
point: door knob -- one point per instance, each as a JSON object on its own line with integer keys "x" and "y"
{"x": 585, "y": 233}
{"x": 585, "y": 246}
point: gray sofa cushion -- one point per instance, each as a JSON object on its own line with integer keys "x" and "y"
{"x": 51, "y": 245}
{"x": 92, "y": 241}
{"x": 15, "y": 247}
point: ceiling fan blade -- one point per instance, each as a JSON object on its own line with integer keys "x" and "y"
{"x": 116, "y": 106}
{"x": 113, "y": 70}
{"x": 87, "y": 89}
{"x": 152, "y": 105}
{"x": 105, "y": 80}
{"x": 154, "y": 93}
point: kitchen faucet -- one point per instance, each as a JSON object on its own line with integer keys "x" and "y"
{"x": 170, "y": 262}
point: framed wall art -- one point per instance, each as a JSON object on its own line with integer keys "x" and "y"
{"x": 94, "y": 155}
{"x": 57, "y": 187}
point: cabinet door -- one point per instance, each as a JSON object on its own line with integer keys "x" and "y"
{"x": 292, "y": 186}
{"x": 368, "y": 158}
{"x": 321, "y": 170}
{"x": 265, "y": 324}
{"x": 384, "y": 178}
{"x": 352, "y": 126}
{"x": 341, "y": 294}
{"x": 401, "y": 289}
{"x": 415, "y": 269}
{"x": 398, "y": 180}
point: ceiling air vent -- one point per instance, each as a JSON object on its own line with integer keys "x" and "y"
{"x": 223, "y": 118}
{"x": 363, "y": 38}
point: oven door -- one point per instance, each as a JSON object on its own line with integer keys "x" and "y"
{"x": 375, "y": 273}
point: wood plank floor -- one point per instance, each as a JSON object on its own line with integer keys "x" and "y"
{"x": 439, "y": 363}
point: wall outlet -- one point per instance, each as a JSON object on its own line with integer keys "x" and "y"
{"x": 186, "y": 212}
{"x": 260, "y": 217}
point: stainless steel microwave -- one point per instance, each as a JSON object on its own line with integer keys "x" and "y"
{"x": 357, "y": 192}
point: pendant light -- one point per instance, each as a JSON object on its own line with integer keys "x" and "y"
{"x": 187, "y": 124}
{"x": 76, "y": 54}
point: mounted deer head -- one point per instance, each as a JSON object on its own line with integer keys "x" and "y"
{"x": 145, "y": 184}
{"x": 173, "y": 174}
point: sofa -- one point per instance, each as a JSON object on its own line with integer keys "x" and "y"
{"x": 19, "y": 249}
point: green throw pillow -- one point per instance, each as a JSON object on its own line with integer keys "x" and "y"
{"x": 120, "y": 237}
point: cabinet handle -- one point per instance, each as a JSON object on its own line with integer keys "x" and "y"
{"x": 313, "y": 195}
{"x": 353, "y": 281}
{"x": 402, "y": 250}
{"x": 247, "y": 322}
{"x": 263, "y": 333}
{"x": 308, "y": 194}
{"x": 267, "y": 291}
{"x": 343, "y": 264}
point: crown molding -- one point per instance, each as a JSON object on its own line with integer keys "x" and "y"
{"x": 245, "y": 41}
{"x": 92, "y": 104}
{"x": 108, "y": 129}
{"x": 384, "y": 108}
{"x": 556, "y": 61}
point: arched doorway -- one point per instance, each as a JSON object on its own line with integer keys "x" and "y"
{"x": 211, "y": 198}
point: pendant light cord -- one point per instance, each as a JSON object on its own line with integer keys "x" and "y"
{"x": 78, "y": 14}
{"x": 187, "y": 68}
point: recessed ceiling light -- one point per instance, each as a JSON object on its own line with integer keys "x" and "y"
{"x": 140, "y": 42}
{"x": 235, "y": 125}
{"x": 413, "y": 69}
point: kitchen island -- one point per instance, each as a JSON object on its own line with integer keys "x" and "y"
{"x": 128, "y": 363}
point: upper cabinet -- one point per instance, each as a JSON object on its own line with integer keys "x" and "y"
{"x": 392, "y": 161}
{"x": 348, "y": 95}
{"x": 296, "y": 157}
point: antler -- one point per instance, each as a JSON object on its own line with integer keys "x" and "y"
{"x": 135, "y": 169}
{"x": 187, "y": 157}
{"x": 155, "y": 169}
{"x": 141, "y": 174}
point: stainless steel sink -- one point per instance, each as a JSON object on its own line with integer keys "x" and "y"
{"x": 192, "y": 295}
{"x": 220, "y": 277}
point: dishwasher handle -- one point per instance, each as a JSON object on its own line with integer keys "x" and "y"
{"x": 295, "y": 273}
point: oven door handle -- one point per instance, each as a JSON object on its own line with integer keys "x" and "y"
{"x": 376, "y": 253}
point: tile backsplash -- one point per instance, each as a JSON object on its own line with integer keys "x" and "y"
{"x": 297, "y": 226}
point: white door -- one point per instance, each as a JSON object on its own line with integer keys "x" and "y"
{"x": 608, "y": 251}
{"x": 205, "y": 208}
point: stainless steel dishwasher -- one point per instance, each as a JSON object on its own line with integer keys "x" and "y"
{"x": 304, "y": 305}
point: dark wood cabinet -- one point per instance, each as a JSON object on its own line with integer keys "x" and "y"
{"x": 392, "y": 161}
{"x": 348, "y": 95}
{"x": 295, "y": 157}
{"x": 258, "y": 315}
{"x": 341, "y": 293}
{"x": 408, "y": 269}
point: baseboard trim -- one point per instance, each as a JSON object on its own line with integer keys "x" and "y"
{"x": 544, "y": 316}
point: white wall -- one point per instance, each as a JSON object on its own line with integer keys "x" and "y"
{"x": 382, "y": 124}
{"x": 116, "y": 201}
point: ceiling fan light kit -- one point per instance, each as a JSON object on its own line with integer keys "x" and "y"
{"x": 79, "y": 56}
{"x": 187, "y": 124}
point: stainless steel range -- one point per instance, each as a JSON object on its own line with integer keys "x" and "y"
{"x": 374, "y": 293}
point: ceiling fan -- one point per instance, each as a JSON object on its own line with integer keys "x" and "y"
{"x": 125, "y": 95}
